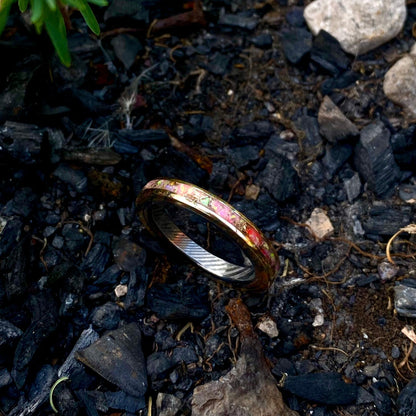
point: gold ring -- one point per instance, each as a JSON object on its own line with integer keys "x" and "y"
{"x": 260, "y": 262}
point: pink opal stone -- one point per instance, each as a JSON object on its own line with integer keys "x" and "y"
{"x": 254, "y": 235}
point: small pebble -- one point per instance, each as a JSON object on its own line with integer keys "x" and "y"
{"x": 320, "y": 224}
{"x": 268, "y": 326}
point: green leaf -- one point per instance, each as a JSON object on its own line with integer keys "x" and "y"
{"x": 99, "y": 2}
{"x": 37, "y": 11}
{"x": 51, "y": 4}
{"x": 87, "y": 14}
{"x": 23, "y": 5}
{"x": 4, "y": 12}
{"x": 55, "y": 26}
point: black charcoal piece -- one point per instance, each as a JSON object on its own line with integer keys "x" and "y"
{"x": 184, "y": 354}
{"x": 382, "y": 221}
{"x": 250, "y": 132}
{"x": 243, "y": 156}
{"x": 97, "y": 259}
{"x": 39, "y": 392}
{"x": 178, "y": 301}
{"x": 311, "y": 143}
{"x": 326, "y": 388}
{"x": 341, "y": 81}
{"x": 5, "y": 378}
{"x": 382, "y": 401}
{"x": 335, "y": 158}
{"x": 144, "y": 136}
{"x": 374, "y": 160}
{"x": 75, "y": 178}
{"x": 70, "y": 365}
{"x": 294, "y": 16}
{"x": 15, "y": 269}
{"x": 9, "y": 333}
{"x": 23, "y": 142}
{"x": 23, "y": 203}
{"x": 218, "y": 63}
{"x": 102, "y": 156}
{"x": 10, "y": 235}
{"x": 277, "y": 145}
{"x": 158, "y": 365}
{"x": 12, "y": 98}
{"x": 240, "y": 21}
{"x": 264, "y": 40}
{"x": 126, "y": 48}
{"x": 279, "y": 178}
{"x": 296, "y": 42}
{"x": 403, "y": 144}
{"x": 406, "y": 402}
{"x": 327, "y": 53}
{"x": 122, "y": 401}
{"x": 131, "y": 9}
{"x": 117, "y": 356}
{"x": 44, "y": 322}
{"x": 106, "y": 316}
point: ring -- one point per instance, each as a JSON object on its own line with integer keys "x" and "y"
{"x": 259, "y": 263}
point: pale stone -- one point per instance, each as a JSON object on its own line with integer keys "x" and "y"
{"x": 268, "y": 326}
{"x": 333, "y": 124}
{"x": 252, "y": 191}
{"x": 400, "y": 83}
{"x": 121, "y": 290}
{"x": 358, "y": 25}
{"x": 320, "y": 224}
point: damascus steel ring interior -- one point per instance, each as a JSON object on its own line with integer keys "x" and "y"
{"x": 260, "y": 263}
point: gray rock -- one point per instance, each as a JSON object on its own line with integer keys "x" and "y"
{"x": 352, "y": 187}
{"x": 374, "y": 160}
{"x": 400, "y": 82}
{"x": 333, "y": 124}
{"x": 359, "y": 25}
{"x": 405, "y": 298}
{"x": 387, "y": 271}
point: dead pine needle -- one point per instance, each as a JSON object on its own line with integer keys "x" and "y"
{"x": 315, "y": 347}
{"x": 411, "y": 229}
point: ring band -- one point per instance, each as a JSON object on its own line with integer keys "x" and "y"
{"x": 262, "y": 264}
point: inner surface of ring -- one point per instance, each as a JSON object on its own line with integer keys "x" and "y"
{"x": 206, "y": 260}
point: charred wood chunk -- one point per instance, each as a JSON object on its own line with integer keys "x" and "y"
{"x": 44, "y": 322}
{"x": 327, "y": 388}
